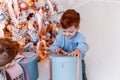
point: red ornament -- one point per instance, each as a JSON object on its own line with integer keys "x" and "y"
{"x": 23, "y": 5}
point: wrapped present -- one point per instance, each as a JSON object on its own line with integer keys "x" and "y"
{"x": 65, "y": 67}
{"x": 30, "y": 65}
{"x": 14, "y": 71}
{"x": 2, "y": 73}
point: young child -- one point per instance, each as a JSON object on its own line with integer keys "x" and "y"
{"x": 8, "y": 50}
{"x": 69, "y": 40}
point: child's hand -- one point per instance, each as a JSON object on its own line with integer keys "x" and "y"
{"x": 76, "y": 52}
{"x": 59, "y": 50}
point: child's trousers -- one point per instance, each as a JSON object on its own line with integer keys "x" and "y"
{"x": 83, "y": 70}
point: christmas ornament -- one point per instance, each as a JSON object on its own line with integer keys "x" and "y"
{"x": 51, "y": 7}
{"x": 35, "y": 41}
{"x": 47, "y": 7}
{"x": 2, "y": 16}
{"x": 23, "y": 5}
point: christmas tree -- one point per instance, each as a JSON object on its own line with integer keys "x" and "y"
{"x": 33, "y": 23}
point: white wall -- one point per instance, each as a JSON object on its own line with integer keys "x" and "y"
{"x": 100, "y": 23}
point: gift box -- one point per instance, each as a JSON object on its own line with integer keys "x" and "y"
{"x": 30, "y": 65}
{"x": 2, "y": 73}
{"x": 14, "y": 71}
{"x": 65, "y": 67}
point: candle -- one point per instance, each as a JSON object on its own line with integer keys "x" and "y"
{"x": 39, "y": 19}
{"x": 11, "y": 12}
{"x": 2, "y": 25}
{"x": 16, "y": 8}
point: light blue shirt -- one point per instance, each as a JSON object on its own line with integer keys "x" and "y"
{"x": 69, "y": 45}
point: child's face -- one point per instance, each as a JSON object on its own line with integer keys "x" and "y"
{"x": 70, "y": 32}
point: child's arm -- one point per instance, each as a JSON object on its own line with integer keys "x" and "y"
{"x": 82, "y": 46}
{"x": 56, "y": 43}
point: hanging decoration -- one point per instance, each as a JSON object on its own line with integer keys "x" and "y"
{"x": 23, "y": 5}
{"x": 2, "y": 16}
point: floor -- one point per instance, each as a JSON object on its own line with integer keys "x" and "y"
{"x": 43, "y": 70}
